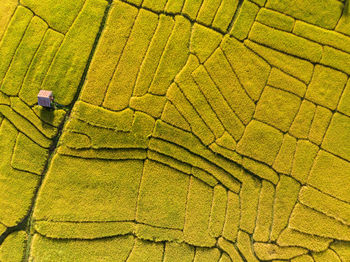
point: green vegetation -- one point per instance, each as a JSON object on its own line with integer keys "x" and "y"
{"x": 230, "y": 249}
{"x": 319, "y": 124}
{"x": 302, "y": 122}
{"x": 336, "y": 59}
{"x": 281, "y": 80}
{"x": 69, "y": 63}
{"x": 261, "y": 170}
{"x": 7, "y": 9}
{"x": 291, "y": 237}
{"x": 326, "y": 87}
{"x": 271, "y": 251}
{"x": 18, "y": 187}
{"x": 121, "y": 85}
{"x": 330, "y": 184}
{"x": 162, "y": 181}
{"x": 344, "y": 104}
{"x": 252, "y": 71}
{"x": 275, "y": 19}
{"x": 337, "y": 138}
{"x": 175, "y": 250}
{"x": 323, "y": 36}
{"x": 328, "y": 255}
{"x": 245, "y": 19}
{"x": 208, "y": 10}
{"x": 286, "y": 42}
{"x": 12, "y": 249}
{"x": 28, "y": 156}
{"x": 260, "y": 142}
{"x": 226, "y": 81}
{"x": 12, "y": 37}
{"x": 283, "y": 161}
{"x": 44, "y": 249}
{"x": 264, "y": 217}
{"x": 173, "y": 58}
{"x": 329, "y": 205}
{"x": 118, "y": 26}
{"x": 191, "y": 8}
{"x": 218, "y": 211}
{"x": 203, "y": 42}
{"x": 321, "y": 13}
{"x": 154, "y": 54}
{"x": 87, "y": 203}
{"x": 244, "y": 244}
{"x": 277, "y": 108}
{"x": 304, "y": 158}
{"x": 302, "y": 217}
{"x": 301, "y": 69}
{"x": 205, "y": 254}
{"x": 286, "y": 196}
{"x": 60, "y": 16}
{"x": 196, "y": 229}
{"x": 23, "y": 57}
{"x": 39, "y": 66}
{"x": 224, "y": 14}
{"x": 185, "y": 130}
{"x": 249, "y": 199}
{"x": 174, "y": 6}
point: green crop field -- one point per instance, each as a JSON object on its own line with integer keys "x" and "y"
{"x": 184, "y": 130}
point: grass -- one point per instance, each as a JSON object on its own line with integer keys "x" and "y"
{"x": 154, "y": 54}
{"x": 329, "y": 184}
{"x": 264, "y": 216}
{"x": 189, "y": 130}
{"x": 286, "y": 42}
{"x": 50, "y": 249}
{"x": 120, "y": 188}
{"x": 300, "y": 69}
{"x": 11, "y": 83}
{"x": 174, "y": 56}
{"x": 225, "y": 79}
{"x": 7, "y": 10}
{"x": 245, "y": 19}
{"x": 12, "y": 37}
{"x": 13, "y": 247}
{"x": 69, "y": 63}
{"x": 29, "y": 156}
{"x": 277, "y": 108}
{"x": 275, "y": 19}
{"x": 271, "y": 251}
{"x": 39, "y": 66}
{"x": 320, "y": 13}
{"x": 260, "y": 142}
{"x": 59, "y": 16}
{"x": 171, "y": 212}
{"x": 251, "y": 70}
{"x": 249, "y": 200}
{"x": 302, "y": 122}
{"x": 334, "y": 80}
{"x": 291, "y": 237}
{"x": 174, "y": 250}
{"x": 126, "y": 72}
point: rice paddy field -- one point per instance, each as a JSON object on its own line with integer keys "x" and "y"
{"x": 184, "y": 130}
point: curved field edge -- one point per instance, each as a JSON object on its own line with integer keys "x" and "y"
{"x": 259, "y": 171}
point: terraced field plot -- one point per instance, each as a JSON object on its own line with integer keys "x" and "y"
{"x": 188, "y": 130}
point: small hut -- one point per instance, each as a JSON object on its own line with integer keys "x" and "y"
{"x": 45, "y": 98}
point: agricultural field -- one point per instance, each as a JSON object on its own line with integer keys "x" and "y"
{"x": 184, "y": 130}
